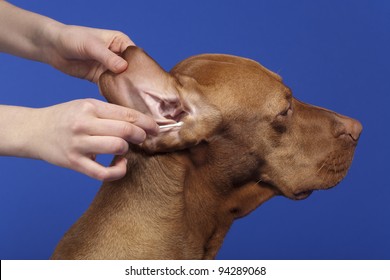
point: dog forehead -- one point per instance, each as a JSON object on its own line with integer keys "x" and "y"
{"x": 234, "y": 82}
{"x": 202, "y": 64}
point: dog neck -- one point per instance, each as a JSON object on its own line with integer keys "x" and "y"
{"x": 168, "y": 206}
{"x": 177, "y": 208}
{"x": 173, "y": 209}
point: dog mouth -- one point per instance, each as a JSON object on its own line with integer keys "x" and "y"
{"x": 302, "y": 194}
{"x": 305, "y": 193}
{"x": 294, "y": 195}
{"x": 331, "y": 172}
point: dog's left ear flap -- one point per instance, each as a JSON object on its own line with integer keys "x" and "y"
{"x": 143, "y": 86}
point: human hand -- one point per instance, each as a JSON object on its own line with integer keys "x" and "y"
{"x": 78, "y": 51}
{"x": 73, "y": 133}
{"x": 85, "y": 52}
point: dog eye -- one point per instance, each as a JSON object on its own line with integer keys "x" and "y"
{"x": 285, "y": 112}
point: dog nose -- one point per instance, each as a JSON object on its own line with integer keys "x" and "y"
{"x": 348, "y": 126}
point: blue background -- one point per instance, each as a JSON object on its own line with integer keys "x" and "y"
{"x": 333, "y": 54}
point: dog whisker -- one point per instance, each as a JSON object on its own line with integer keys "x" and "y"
{"x": 323, "y": 164}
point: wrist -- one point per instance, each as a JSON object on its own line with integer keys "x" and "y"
{"x": 47, "y": 41}
{"x": 20, "y": 130}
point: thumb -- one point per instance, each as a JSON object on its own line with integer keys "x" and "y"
{"x": 109, "y": 59}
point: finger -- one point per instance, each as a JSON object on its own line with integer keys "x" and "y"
{"x": 120, "y": 113}
{"x": 102, "y": 173}
{"x": 109, "y": 59}
{"x": 122, "y": 129}
{"x": 120, "y": 43}
{"x": 105, "y": 145}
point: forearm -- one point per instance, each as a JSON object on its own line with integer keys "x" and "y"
{"x": 18, "y": 131}
{"x": 72, "y": 134}
{"x": 24, "y": 33}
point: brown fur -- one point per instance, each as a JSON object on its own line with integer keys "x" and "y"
{"x": 238, "y": 147}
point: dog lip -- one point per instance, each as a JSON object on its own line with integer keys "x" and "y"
{"x": 302, "y": 194}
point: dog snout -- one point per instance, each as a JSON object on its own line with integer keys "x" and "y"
{"x": 348, "y": 127}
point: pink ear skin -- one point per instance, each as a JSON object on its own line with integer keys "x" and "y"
{"x": 146, "y": 87}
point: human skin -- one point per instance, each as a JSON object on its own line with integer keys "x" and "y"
{"x": 73, "y": 133}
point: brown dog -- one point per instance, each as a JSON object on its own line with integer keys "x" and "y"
{"x": 244, "y": 139}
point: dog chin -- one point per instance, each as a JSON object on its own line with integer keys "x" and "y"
{"x": 301, "y": 195}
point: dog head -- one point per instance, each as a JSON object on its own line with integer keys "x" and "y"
{"x": 239, "y": 119}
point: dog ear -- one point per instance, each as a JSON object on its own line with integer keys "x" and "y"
{"x": 144, "y": 86}
{"x": 147, "y": 88}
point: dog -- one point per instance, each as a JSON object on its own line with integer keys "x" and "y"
{"x": 241, "y": 138}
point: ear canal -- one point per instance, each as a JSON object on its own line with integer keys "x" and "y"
{"x": 195, "y": 128}
{"x": 143, "y": 86}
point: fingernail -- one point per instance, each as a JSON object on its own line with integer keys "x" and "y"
{"x": 120, "y": 65}
{"x": 123, "y": 159}
{"x": 139, "y": 138}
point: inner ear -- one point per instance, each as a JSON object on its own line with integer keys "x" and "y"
{"x": 145, "y": 87}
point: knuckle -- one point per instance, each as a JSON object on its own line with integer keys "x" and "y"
{"x": 73, "y": 160}
{"x": 78, "y": 125}
{"x": 118, "y": 33}
{"x": 87, "y": 106}
{"x": 127, "y": 131}
{"x": 133, "y": 134}
{"x": 131, "y": 116}
{"x": 79, "y": 120}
